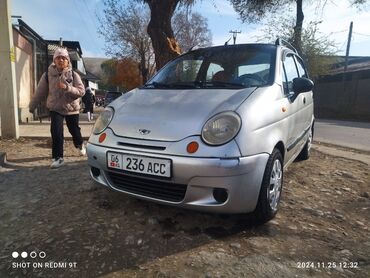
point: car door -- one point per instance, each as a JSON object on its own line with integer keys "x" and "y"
{"x": 294, "y": 105}
{"x": 305, "y": 99}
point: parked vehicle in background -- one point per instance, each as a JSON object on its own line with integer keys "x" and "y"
{"x": 100, "y": 101}
{"x": 213, "y": 130}
{"x": 111, "y": 96}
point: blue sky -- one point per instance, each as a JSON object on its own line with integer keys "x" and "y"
{"x": 76, "y": 20}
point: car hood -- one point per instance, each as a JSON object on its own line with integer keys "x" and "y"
{"x": 171, "y": 115}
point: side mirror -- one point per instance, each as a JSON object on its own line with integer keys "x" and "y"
{"x": 302, "y": 84}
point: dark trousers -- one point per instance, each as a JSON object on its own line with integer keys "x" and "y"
{"x": 57, "y": 134}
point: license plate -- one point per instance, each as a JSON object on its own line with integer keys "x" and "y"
{"x": 139, "y": 164}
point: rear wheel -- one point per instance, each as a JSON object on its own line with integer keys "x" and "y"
{"x": 270, "y": 193}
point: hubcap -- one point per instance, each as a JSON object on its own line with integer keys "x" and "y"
{"x": 275, "y": 185}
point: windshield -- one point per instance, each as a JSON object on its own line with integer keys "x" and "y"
{"x": 230, "y": 67}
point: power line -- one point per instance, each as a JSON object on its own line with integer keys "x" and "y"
{"x": 365, "y": 35}
{"x": 87, "y": 7}
{"x": 336, "y": 32}
{"x": 87, "y": 27}
{"x": 341, "y": 48}
{"x": 92, "y": 18}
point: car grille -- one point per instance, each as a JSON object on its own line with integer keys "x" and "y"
{"x": 150, "y": 188}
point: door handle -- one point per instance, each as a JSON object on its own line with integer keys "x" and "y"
{"x": 304, "y": 100}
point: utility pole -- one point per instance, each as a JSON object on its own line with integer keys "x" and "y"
{"x": 235, "y": 33}
{"x": 348, "y": 46}
{"x": 8, "y": 93}
{"x": 347, "y": 96}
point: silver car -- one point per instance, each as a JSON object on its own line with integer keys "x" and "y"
{"x": 213, "y": 130}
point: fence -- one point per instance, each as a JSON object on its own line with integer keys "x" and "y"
{"x": 344, "y": 97}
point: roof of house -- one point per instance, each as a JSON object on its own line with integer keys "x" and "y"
{"x": 23, "y": 26}
{"x": 52, "y": 45}
{"x": 91, "y": 77}
{"x": 71, "y": 45}
{"x": 355, "y": 63}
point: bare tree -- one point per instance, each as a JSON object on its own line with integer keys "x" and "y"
{"x": 255, "y": 10}
{"x": 316, "y": 48}
{"x": 191, "y": 30}
{"x": 125, "y": 25}
{"x": 124, "y": 29}
{"x": 358, "y": 3}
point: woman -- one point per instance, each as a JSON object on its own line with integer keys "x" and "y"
{"x": 89, "y": 99}
{"x": 62, "y": 88}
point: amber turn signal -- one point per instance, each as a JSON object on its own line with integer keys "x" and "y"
{"x": 192, "y": 147}
{"x": 102, "y": 137}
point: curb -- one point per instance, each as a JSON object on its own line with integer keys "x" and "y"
{"x": 8, "y": 165}
{"x": 36, "y": 137}
{"x": 339, "y": 151}
{"x": 2, "y": 159}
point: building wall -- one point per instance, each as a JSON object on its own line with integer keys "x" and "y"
{"x": 24, "y": 74}
{"x": 93, "y": 85}
{"x": 349, "y": 99}
{"x": 81, "y": 66}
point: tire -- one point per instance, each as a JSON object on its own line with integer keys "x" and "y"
{"x": 305, "y": 152}
{"x": 271, "y": 187}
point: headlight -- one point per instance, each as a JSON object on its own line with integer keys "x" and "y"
{"x": 103, "y": 121}
{"x": 221, "y": 128}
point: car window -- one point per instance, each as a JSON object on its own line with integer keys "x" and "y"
{"x": 289, "y": 73}
{"x": 301, "y": 69}
{"x": 212, "y": 70}
{"x": 260, "y": 69}
{"x": 185, "y": 71}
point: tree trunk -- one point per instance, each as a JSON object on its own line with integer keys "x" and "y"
{"x": 160, "y": 31}
{"x": 142, "y": 66}
{"x": 297, "y": 40}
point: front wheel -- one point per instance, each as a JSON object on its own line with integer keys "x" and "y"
{"x": 270, "y": 193}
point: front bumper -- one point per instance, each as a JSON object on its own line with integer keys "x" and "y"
{"x": 197, "y": 178}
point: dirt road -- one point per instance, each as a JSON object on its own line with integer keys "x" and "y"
{"x": 71, "y": 227}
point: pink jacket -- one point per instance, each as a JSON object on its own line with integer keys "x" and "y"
{"x": 65, "y": 102}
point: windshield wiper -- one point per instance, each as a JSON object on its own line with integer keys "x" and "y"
{"x": 222, "y": 84}
{"x": 182, "y": 85}
{"x": 194, "y": 85}
{"x": 156, "y": 85}
{"x": 175, "y": 85}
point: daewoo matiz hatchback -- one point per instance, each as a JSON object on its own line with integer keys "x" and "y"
{"x": 213, "y": 130}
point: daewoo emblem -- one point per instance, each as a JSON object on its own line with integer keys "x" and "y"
{"x": 144, "y": 131}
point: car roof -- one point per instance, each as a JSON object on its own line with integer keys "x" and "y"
{"x": 278, "y": 43}
{"x": 231, "y": 46}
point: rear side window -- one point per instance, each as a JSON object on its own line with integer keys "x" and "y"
{"x": 301, "y": 69}
{"x": 212, "y": 69}
{"x": 289, "y": 73}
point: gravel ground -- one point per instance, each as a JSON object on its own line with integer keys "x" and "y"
{"x": 70, "y": 226}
